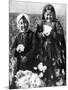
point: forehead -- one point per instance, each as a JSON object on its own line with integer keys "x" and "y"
{"x": 48, "y": 11}
{"x": 49, "y": 7}
{"x": 23, "y": 20}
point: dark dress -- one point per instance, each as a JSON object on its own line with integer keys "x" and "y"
{"x": 26, "y": 40}
{"x": 30, "y": 42}
{"x": 52, "y": 50}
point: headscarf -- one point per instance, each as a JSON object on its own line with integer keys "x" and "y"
{"x": 20, "y": 16}
{"x": 48, "y": 7}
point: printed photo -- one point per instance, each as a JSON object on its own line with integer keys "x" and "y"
{"x": 37, "y": 44}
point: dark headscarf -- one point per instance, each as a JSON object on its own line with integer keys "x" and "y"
{"x": 48, "y": 7}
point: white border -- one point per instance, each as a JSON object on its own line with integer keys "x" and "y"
{"x": 47, "y": 1}
{"x": 4, "y": 42}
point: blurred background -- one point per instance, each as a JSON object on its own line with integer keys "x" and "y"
{"x": 34, "y": 10}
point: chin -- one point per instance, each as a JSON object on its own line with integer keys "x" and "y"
{"x": 22, "y": 30}
{"x": 48, "y": 21}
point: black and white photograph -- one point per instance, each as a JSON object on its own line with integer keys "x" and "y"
{"x": 37, "y": 44}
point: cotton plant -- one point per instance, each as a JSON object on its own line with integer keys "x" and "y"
{"x": 60, "y": 82}
{"x": 60, "y": 74}
{"x": 27, "y": 79}
{"x": 42, "y": 68}
{"x": 12, "y": 65}
{"x": 22, "y": 78}
{"x": 57, "y": 71}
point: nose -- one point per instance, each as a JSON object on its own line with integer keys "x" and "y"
{"x": 49, "y": 16}
{"x": 22, "y": 25}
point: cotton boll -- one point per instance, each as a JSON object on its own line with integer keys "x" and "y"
{"x": 23, "y": 79}
{"x": 59, "y": 59}
{"x": 51, "y": 76}
{"x": 29, "y": 80}
{"x": 54, "y": 64}
{"x": 21, "y": 83}
{"x": 53, "y": 59}
{"x": 62, "y": 51}
{"x": 46, "y": 29}
{"x": 40, "y": 67}
{"x": 19, "y": 74}
{"x": 41, "y": 75}
{"x": 32, "y": 79}
{"x": 35, "y": 68}
{"x": 38, "y": 82}
{"x": 32, "y": 85}
{"x": 27, "y": 72}
{"x": 20, "y": 48}
{"x": 63, "y": 72}
{"x": 57, "y": 72}
{"x": 44, "y": 68}
{"x": 60, "y": 43}
{"x": 60, "y": 82}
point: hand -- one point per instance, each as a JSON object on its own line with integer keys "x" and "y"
{"x": 24, "y": 58}
{"x": 46, "y": 30}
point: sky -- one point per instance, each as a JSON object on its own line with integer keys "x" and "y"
{"x": 18, "y": 6}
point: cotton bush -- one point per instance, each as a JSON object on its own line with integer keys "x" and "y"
{"x": 27, "y": 79}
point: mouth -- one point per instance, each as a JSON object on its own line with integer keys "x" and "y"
{"x": 49, "y": 19}
{"x": 23, "y": 29}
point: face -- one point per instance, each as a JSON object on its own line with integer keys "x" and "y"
{"x": 22, "y": 25}
{"x": 48, "y": 16}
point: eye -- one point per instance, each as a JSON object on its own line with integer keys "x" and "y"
{"x": 51, "y": 16}
{"x": 21, "y": 22}
{"x": 25, "y": 24}
{"x": 47, "y": 14}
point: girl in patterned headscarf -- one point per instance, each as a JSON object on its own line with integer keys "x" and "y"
{"x": 52, "y": 41}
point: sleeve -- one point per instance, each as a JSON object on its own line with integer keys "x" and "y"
{"x": 60, "y": 35}
{"x": 59, "y": 28}
{"x": 62, "y": 44}
{"x": 40, "y": 27}
{"x": 61, "y": 41}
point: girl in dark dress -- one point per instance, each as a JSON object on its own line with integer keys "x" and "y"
{"x": 25, "y": 45}
{"x": 22, "y": 40}
{"x": 52, "y": 41}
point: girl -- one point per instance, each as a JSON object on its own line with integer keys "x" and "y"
{"x": 25, "y": 46}
{"x": 23, "y": 41}
{"x": 51, "y": 36}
